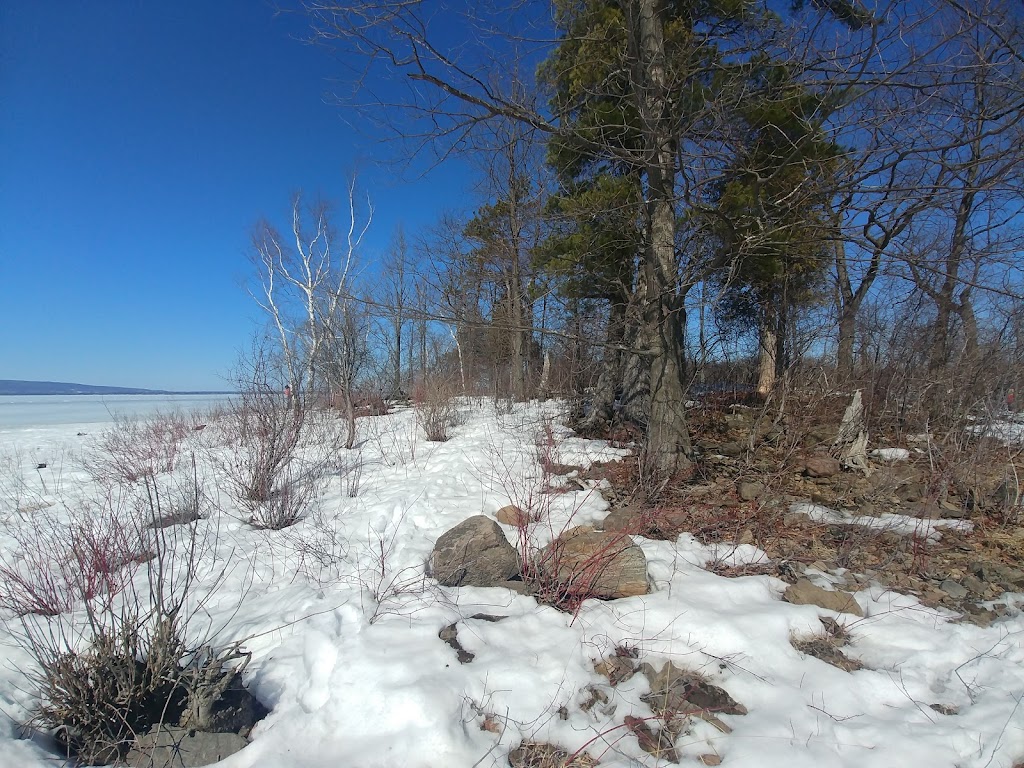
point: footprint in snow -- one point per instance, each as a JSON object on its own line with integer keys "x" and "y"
{"x": 319, "y": 657}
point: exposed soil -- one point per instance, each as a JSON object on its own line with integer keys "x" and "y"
{"x": 752, "y": 466}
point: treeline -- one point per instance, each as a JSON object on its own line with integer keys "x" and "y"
{"x": 692, "y": 192}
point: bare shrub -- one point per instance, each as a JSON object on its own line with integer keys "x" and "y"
{"x": 134, "y": 449}
{"x": 280, "y": 452}
{"x": 293, "y": 493}
{"x": 89, "y": 553}
{"x": 563, "y": 580}
{"x": 383, "y": 586}
{"x": 264, "y": 430}
{"x": 17, "y": 496}
{"x": 436, "y": 410}
{"x": 121, "y": 665}
{"x": 351, "y": 474}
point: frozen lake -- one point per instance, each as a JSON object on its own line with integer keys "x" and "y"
{"x": 30, "y": 411}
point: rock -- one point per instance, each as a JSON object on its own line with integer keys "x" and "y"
{"x": 518, "y": 586}
{"x": 624, "y": 519}
{"x": 795, "y": 518}
{"x": 512, "y": 515}
{"x": 600, "y": 564}
{"x": 748, "y": 490}
{"x": 954, "y": 590}
{"x": 178, "y": 747}
{"x": 709, "y": 759}
{"x": 746, "y": 537}
{"x": 732, "y": 449}
{"x": 997, "y": 573}
{"x": 818, "y": 435}
{"x": 531, "y": 754}
{"x": 982, "y": 617}
{"x": 679, "y": 691}
{"x": 975, "y": 585}
{"x": 738, "y": 419}
{"x": 804, "y": 592}
{"x": 450, "y": 635}
{"x": 952, "y": 512}
{"x": 911, "y": 492}
{"x": 821, "y": 466}
{"x": 1007, "y": 494}
{"x": 474, "y": 553}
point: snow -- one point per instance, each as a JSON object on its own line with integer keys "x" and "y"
{"x": 891, "y": 454}
{"x": 901, "y": 524}
{"x": 1007, "y": 428}
{"x": 345, "y": 647}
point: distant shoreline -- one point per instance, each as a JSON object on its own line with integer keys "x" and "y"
{"x": 14, "y": 387}
{"x": 139, "y": 392}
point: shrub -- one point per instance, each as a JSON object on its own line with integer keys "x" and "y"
{"x": 436, "y": 410}
{"x": 120, "y": 664}
{"x": 134, "y": 449}
{"x": 264, "y": 431}
{"x": 59, "y": 561}
{"x": 280, "y": 453}
{"x": 287, "y": 503}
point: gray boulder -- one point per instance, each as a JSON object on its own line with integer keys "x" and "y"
{"x": 475, "y": 553}
{"x": 182, "y": 748}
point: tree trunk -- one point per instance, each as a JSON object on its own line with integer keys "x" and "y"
{"x": 545, "y": 377}
{"x": 668, "y": 439}
{"x": 969, "y": 320}
{"x": 767, "y": 357}
{"x": 602, "y": 410}
{"x": 396, "y": 384}
{"x": 847, "y": 336}
{"x": 518, "y": 363}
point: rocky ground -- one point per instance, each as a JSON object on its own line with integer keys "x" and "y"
{"x": 758, "y": 478}
{"x": 916, "y": 515}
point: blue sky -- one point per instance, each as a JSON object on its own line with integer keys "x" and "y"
{"x": 139, "y": 143}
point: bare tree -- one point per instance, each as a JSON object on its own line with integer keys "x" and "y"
{"x": 304, "y": 287}
{"x": 397, "y": 266}
{"x": 466, "y": 91}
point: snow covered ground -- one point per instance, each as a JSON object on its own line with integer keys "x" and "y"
{"x": 343, "y": 626}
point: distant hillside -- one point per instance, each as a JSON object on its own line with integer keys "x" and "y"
{"x": 16, "y": 387}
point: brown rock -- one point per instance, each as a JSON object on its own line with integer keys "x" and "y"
{"x": 821, "y": 466}
{"x": 624, "y": 519}
{"x": 749, "y": 491}
{"x": 535, "y": 755}
{"x": 512, "y": 515}
{"x": 474, "y": 553}
{"x": 676, "y": 691}
{"x": 795, "y": 518}
{"x": 804, "y": 592}
{"x": 600, "y": 564}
